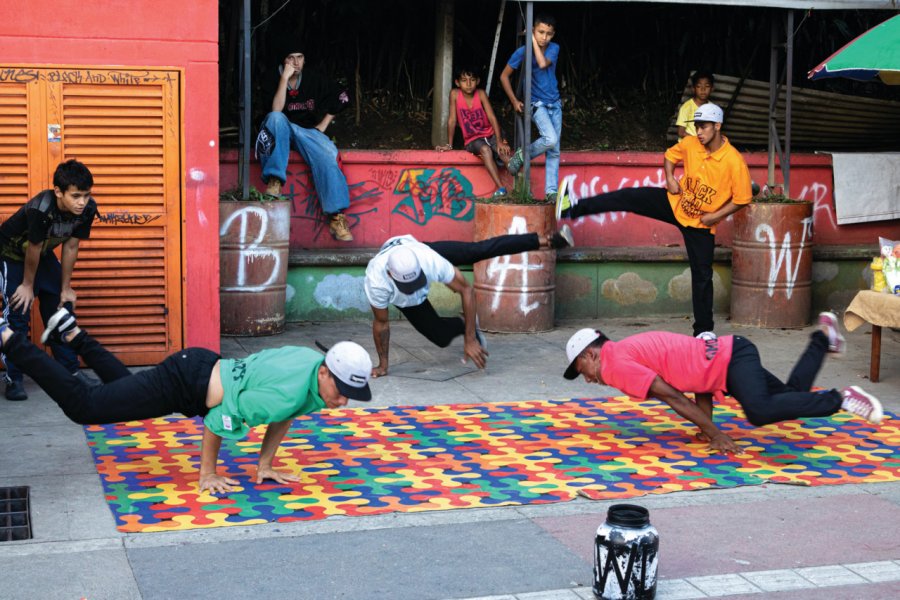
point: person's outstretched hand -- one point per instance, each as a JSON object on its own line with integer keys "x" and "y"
{"x": 263, "y": 473}
{"x": 724, "y": 444}
{"x": 478, "y": 354}
{"x": 217, "y": 484}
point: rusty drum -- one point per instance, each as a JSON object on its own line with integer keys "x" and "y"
{"x": 253, "y": 261}
{"x": 515, "y": 293}
{"x": 771, "y": 265}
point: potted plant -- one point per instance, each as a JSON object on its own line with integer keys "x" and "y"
{"x": 253, "y": 259}
{"x": 771, "y": 262}
{"x": 515, "y": 294}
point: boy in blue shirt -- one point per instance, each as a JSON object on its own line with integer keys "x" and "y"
{"x": 546, "y": 106}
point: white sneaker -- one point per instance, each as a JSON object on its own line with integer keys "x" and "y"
{"x": 828, "y": 322}
{"x": 58, "y": 325}
{"x": 707, "y": 336}
{"x": 860, "y": 403}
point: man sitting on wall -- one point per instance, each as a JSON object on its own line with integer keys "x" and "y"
{"x": 303, "y": 105}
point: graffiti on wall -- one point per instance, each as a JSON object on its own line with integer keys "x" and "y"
{"x": 502, "y": 266}
{"x": 305, "y": 205}
{"x": 765, "y": 233}
{"x": 126, "y": 218}
{"x": 430, "y": 193}
{"x": 818, "y": 194}
{"x": 252, "y": 224}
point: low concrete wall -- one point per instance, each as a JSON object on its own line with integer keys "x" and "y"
{"x": 625, "y": 265}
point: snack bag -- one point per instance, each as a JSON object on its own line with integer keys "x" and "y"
{"x": 879, "y": 284}
{"x": 890, "y": 254}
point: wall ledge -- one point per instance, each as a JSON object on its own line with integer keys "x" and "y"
{"x": 360, "y": 257}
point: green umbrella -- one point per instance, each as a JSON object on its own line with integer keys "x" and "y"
{"x": 876, "y": 53}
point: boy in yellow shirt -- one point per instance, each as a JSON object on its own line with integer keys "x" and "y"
{"x": 703, "y": 84}
{"x": 715, "y": 184}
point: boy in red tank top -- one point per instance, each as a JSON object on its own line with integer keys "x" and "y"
{"x": 469, "y": 106}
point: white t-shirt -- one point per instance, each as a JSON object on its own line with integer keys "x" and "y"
{"x": 380, "y": 287}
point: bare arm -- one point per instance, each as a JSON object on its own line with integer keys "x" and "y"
{"x": 274, "y": 434}
{"x": 539, "y": 57}
{"x": 209, "y": 457}
{"x": 672, "y": 184}
{"x": 693, "y": 413}
{"x": 502, "y": 145}
{"x": 23, "y": 297}
{"x": 325, "y": 122}
{"x": 681, "y": 131}
{"x": 451, "y": 122}
{"x": 704, "y": 403}
{"x": 69, "y": 256}
{"x": 281, "y": 93}
{"x": 729, "y": 208}
{"x": 381, "y": 334}
{"x": 505, "y": 75}
{"x": 466, "y": 293}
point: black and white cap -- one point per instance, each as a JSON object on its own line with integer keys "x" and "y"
{"x": 351, "y": 366}
{"x": 404, "y": 269}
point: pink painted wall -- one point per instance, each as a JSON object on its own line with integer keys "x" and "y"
{"x": 428, "y": 193}
{"x": 160, "y": 33}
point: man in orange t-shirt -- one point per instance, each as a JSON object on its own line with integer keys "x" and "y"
{"x": 716, "y": 183}
{"x": 667, "y": 365}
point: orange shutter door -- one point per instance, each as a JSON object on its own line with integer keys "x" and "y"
{"x": 125, "y": 125}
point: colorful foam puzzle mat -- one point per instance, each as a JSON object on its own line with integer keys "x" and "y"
{"x": 368, "y": 461}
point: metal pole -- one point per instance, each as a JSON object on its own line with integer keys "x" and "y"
{"x": 487, "y": 88}
{"x": 529, "y": 56}
{"x": 786, "y": 163}
{"x": 773, "y": 100}
{"x": 245, "y": 117}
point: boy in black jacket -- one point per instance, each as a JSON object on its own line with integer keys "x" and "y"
{"x": 303, "y": 105}
{"x": 59, "y": 216}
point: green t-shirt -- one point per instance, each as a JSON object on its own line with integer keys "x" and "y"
{"x": 267, "y": 387}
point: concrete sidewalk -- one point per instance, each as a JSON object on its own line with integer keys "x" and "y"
{"x": 765, "y": 541}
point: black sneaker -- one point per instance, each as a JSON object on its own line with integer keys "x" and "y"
{"x": 15, "y": 391}
{"x": 59, "y": 324}
{"x": 562, "y": 238}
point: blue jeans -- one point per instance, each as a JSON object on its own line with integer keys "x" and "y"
{"x": 47, "y": 286}
{"x": 548, "y": 120}
{"x": 315, "y": 148}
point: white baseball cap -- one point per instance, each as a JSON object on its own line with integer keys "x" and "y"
{"x": 710, "y": 113}
{"x": 580, "y": 340}
{"x": 404, "y": 269}
{"x": 351, "y": 366}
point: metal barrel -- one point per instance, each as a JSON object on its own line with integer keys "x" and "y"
{"x": 253, "y": 261}
{"x": 771, "y": 265}
{"x": 515, "y": 293}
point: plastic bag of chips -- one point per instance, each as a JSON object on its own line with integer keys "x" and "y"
{"x": 890, "y": 257}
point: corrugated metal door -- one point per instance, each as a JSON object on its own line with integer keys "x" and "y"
{"x": 125, "y": 125}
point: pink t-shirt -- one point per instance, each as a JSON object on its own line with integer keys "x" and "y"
{"x": 688, "y": 364}
{"x": 472, "y": 121}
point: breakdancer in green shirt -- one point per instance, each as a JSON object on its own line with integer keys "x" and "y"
{"x": 232, "y": 395}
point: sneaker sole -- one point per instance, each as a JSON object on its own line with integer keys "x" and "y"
{"x": 566, "y": 232}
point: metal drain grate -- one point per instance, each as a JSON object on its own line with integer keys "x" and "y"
{"x": 15, "y": 514}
